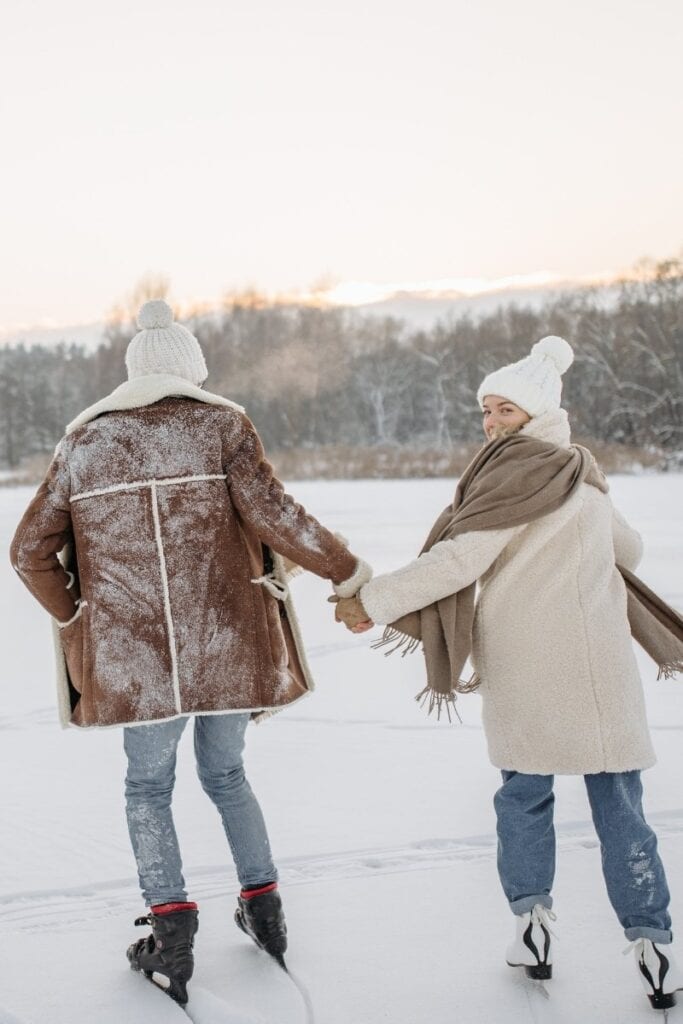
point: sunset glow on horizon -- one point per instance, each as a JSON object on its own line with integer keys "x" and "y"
{"x": 379, "y": 148}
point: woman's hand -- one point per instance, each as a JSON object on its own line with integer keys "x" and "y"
{"x": 351, "y": 612}
{"x": 362, "y": 627}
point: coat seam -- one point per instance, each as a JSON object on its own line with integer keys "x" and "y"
{"x": 152, "y": 482}
{"x": 260, "y": 654}
{"x": 586, "y": 637}
{"x": 167, "y": 599}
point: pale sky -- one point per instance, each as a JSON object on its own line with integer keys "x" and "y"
{"x": 235, "y": 142}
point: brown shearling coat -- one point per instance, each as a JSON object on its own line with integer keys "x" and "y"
{"x": 164, "y": 514}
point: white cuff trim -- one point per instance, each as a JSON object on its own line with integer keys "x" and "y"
{"x": 76, "y": 615}
{"x": 376, "y": 599}
{"x": 361, "y": 576}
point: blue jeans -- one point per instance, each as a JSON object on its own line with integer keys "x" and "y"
{"x": 218, "y": 744}
{"x": 634, "y": 874}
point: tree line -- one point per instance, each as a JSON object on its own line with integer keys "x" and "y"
{"x": 312, "y": 377}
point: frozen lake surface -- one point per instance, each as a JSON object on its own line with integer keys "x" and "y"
{"x": 381, "y": 820}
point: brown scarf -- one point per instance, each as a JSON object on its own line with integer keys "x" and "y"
{"x": 512, "y": 481}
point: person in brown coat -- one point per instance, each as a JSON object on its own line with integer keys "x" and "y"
{"x": 159, "y": 543}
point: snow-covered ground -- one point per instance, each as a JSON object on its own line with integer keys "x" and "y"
{"x": 381, "y": 820}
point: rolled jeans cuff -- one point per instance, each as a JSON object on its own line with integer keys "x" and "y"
{"x": 527, "y": 903}
{"x": 661, "y": 935}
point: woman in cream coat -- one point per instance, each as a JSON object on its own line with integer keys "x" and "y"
{"x": 560, "y": 686}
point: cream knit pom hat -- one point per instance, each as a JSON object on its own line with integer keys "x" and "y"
{"x": 162, "y": 346}
{"x": 535, "y": 382}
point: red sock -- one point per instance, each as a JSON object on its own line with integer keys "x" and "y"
{"x": 248, "y": 894}
{"x": 170, "y": 908}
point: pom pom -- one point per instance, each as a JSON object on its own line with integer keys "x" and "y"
{"x": 155, "y": 313}
{"x": 557, "y": 349}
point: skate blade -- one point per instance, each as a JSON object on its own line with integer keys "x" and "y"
{"x": 535, "y": 972}
{"x": 540, "y": 987}
{"x": 277, "y": 957}
{"x": 663, "y": 1001}
{"x": 536, "y": 976}
{"x": 280, "y": 960}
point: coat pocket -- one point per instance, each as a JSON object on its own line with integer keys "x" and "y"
{"x": 72, "y": 640}
{"x": 276, "y": 638}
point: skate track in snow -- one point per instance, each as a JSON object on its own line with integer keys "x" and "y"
{"x": 62, "y": 908}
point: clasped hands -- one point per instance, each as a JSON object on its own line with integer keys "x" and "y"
{"x": 351, "y": 612}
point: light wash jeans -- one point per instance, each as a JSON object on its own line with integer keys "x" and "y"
{"x": 218, "y": 744}
{"x": 634, "y": 874}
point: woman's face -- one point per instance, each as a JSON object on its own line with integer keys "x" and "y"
{"x": 502, "y": 417}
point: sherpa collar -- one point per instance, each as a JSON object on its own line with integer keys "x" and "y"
{"x": 551, "y": 426}
{"x": 141, "y": 391}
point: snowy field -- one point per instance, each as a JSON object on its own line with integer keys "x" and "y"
{"x": 380, "y": 818}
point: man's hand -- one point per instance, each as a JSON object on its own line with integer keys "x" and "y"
{"x": 351, "y": 612}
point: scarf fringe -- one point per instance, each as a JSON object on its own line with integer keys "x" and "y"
{"x": 670, "y": 670}
{"x": 440, "y": 701}
{"x": 401, "y": 642}
{"x": 470, "y": 685}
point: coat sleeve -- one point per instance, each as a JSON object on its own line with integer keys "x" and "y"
{"x": 44, "y": 530}
{"x": 628, "y": 544}
{"x": 284, "y": 525}
{"x": 447, "y": 568}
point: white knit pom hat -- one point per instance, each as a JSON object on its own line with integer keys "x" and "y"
{"x": 162, "y": 346}
{"x": 535, "y": 382}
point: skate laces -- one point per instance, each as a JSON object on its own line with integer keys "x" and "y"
{"x": 639, "y": 945}
{"x": 543, "y": 916}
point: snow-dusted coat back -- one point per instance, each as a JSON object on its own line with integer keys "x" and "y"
{"x": 165, "y": 496}
{"x": 560, "y": 685}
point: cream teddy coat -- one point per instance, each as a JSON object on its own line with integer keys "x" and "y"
{"x": 560, "y": 685}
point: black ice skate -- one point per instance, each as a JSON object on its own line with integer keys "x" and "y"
{"x": 260, "y": 917}
{"x": 165, "y": 956}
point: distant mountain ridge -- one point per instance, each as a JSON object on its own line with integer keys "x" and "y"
{"x": 422, "y": 311}
{"x": 420, "y": 308}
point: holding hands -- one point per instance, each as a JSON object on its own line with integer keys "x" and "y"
{"x": 351, "y": 612}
